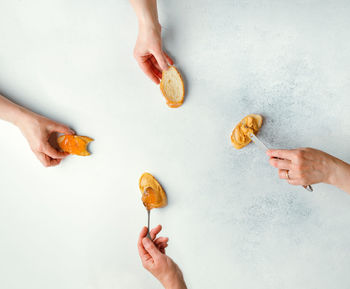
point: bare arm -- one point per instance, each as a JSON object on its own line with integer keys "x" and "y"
{"x": 10, "y": 111}
{"x": 36, "y": 129}
{"x": 146, "y": 12}
{"x": 148, "y": 50}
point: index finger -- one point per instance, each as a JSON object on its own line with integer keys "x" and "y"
{"x": 147, "y": 69}
{"x": 53, "y": 153}
{"x": 155, "y": 231}
{"x": 281, "y": 154}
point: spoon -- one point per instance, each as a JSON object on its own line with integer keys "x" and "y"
{"x": 146, "y": 191}
{"x": 148, "y": 234}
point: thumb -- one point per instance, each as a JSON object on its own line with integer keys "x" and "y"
{"x": 62, "y": 129}
{"x": 161, "y": 59}
{"x": 151, "y": 248}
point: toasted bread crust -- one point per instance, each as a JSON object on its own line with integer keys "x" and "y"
{"x": 169, "y": 101}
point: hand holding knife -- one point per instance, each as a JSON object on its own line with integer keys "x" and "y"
{"x": 261, "y": 145}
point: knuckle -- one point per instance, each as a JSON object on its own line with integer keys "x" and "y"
{"x": 299, "y": 154}
{"x": 299, "y": 167}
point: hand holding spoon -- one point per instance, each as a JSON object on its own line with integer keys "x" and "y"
{"x": 153, "y": 196}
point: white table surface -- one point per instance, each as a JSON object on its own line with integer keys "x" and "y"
{"x": 231, "y": 222}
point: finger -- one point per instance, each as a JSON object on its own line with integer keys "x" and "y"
{"x": 53, "y": 153}
{"x": 163, "y": 246}
{"x": 162, "y": 250}
{"x": 283, "y": 174}
{"x": 41, "y": 157}
{"x": 46, "y": 160}
{"x": 157, "y": 73}
{"x": 146, "y": 67}
{"x": 282, "y": 154}
{"x": 54, "y": 162}
{"x": 161, "y": 240}
{"x": 57, "y": 127}
{"x": 295, "y": 182}
{"x": 155, "y": 231}
{"x": 281, "y": 164}
{"x": 151, "y": 248}
{"x": 142, "y": 252}
{"x": 160, "y": 57}
{"x": 168, "y": 58}
{"x": 155, "y": 64}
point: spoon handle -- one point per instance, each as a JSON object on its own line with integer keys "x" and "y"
{"x": 148, "y": 214}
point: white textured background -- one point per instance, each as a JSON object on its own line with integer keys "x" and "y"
{"x": 232, "y": 223}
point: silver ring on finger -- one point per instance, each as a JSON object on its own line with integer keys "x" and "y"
{"x": 287, "y": 175}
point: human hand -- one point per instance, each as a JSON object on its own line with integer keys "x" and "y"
{"x": 37, "y": 130}
{"x": 149, "y": 54}
{"x": 303, "y": 166}
{"x": 153, "y": 259}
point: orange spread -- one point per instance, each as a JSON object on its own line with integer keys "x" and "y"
{"x": 153, "y": 195}
{"x": 74, "y": 144}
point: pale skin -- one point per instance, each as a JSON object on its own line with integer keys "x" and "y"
{"x": 154, "y": 259}
{"x": 307, "y": 166}
{"x": 37, "y": 129}
{"x": 148, "y": 50}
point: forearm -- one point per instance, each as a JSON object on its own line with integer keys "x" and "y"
{"x": 340, "y": 175}
{"x": 146, "y": 12}
{"x": 10, "y": 111}
{"x": 175, "y": 281}
{"x": 179, "y": 284}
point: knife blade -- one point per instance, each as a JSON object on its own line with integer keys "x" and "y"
{"x": 258, "y": 142}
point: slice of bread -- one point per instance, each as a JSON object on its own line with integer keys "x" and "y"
{"x": 172, "y": 87}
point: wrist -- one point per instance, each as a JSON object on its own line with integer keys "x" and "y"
{"x": 22, "y": 116}
{"x": 331, "y": 167}
{"x": 175, "y": 281}
{"x": 147, "y": 22}
{"x": 341, "y": 175}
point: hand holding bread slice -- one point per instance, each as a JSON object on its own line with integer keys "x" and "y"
{"x": 172, "y": 87}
